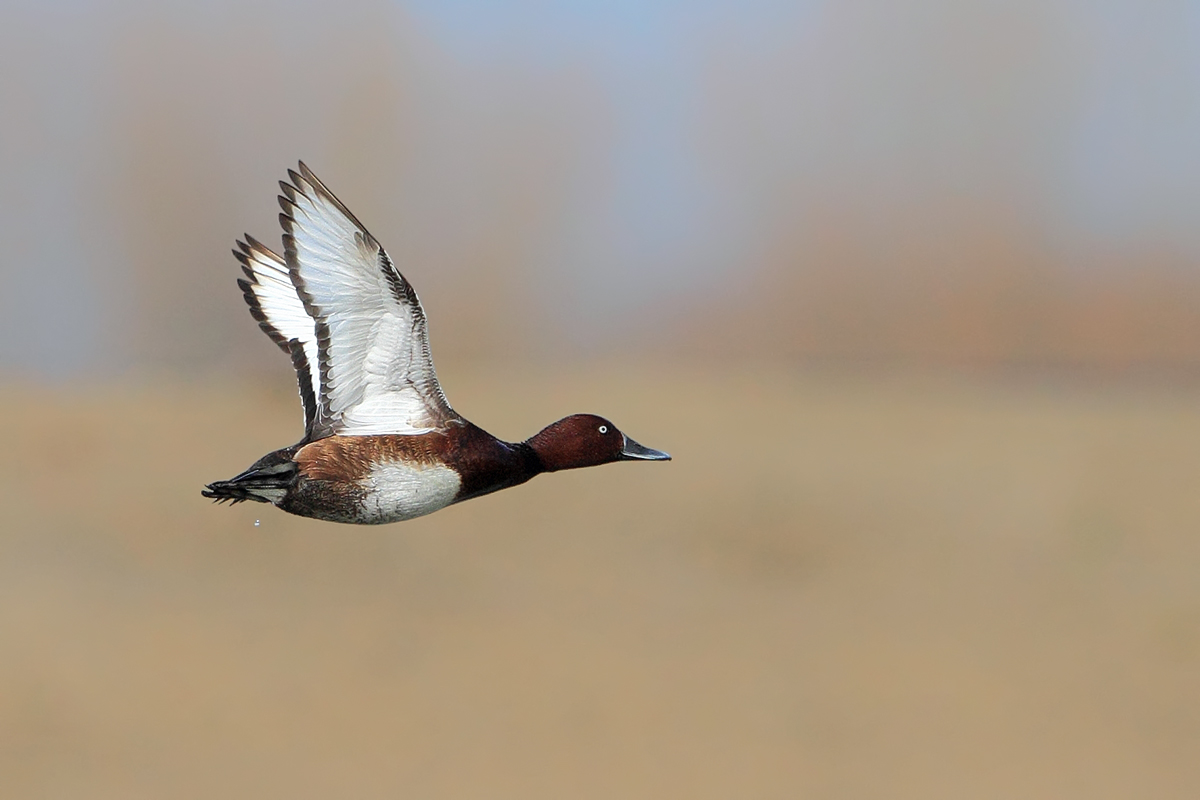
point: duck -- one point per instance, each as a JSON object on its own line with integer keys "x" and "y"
{"x": 381, "y": 443}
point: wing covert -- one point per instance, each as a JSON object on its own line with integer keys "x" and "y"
{"x": 376, "y": 373}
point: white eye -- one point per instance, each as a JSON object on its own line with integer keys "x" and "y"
{"x": 604, "y": 429}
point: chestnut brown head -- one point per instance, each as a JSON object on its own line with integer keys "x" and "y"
{"x": 585, "y": 440}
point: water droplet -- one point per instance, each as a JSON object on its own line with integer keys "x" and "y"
{"x": 256, "y": 523}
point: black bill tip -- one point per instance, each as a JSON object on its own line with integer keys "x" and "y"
{"x": 632, "y": 451}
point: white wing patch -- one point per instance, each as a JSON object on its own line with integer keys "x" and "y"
{"x": 273, "y": 301}
{"x": 376, "y": 372}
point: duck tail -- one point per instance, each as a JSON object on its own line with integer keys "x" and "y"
{"x": 266, "y": 482}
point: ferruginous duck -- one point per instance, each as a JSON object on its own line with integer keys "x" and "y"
{"x": 381, "y": 443}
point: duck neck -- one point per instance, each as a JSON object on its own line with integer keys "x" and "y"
{"x": 490, "y": 464}
{"x": 541, "y": 452}
{"x": 531, "y": 462}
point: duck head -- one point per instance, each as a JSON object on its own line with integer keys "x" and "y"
{"x": 586, "y": 440}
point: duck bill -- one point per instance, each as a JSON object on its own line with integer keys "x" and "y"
{"x": 632, "y": 451}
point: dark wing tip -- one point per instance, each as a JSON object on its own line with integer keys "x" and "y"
{"x": 297, "y": 180}
{"x": 312, "y": 180}
{"x": 254, "y": 244}
{"x": 308, "y": 184}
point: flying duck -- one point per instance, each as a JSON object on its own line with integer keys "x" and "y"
{"x": 381, "y": 443}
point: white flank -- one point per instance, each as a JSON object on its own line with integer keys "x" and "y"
{"x": 397, "y": 491}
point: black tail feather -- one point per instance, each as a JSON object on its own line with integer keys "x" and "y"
{"x": 265, "y": 482}
{"x": 234, "y": 493}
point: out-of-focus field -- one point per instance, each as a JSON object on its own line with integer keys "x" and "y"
{"x": 844, "y": 586}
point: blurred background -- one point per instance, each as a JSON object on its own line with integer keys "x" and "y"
{"x": 909, "y": 290}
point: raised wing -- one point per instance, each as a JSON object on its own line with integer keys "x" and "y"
{"x": 273, "y": 301}
{"x": 376, "y": 372}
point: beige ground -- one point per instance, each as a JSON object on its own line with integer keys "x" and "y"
{"x": 843, "y": 587}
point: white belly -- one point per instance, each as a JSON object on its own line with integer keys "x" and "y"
{"x": 397, "y": 491}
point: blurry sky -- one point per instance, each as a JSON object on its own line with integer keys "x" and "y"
{"x": 993, "y": 180}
